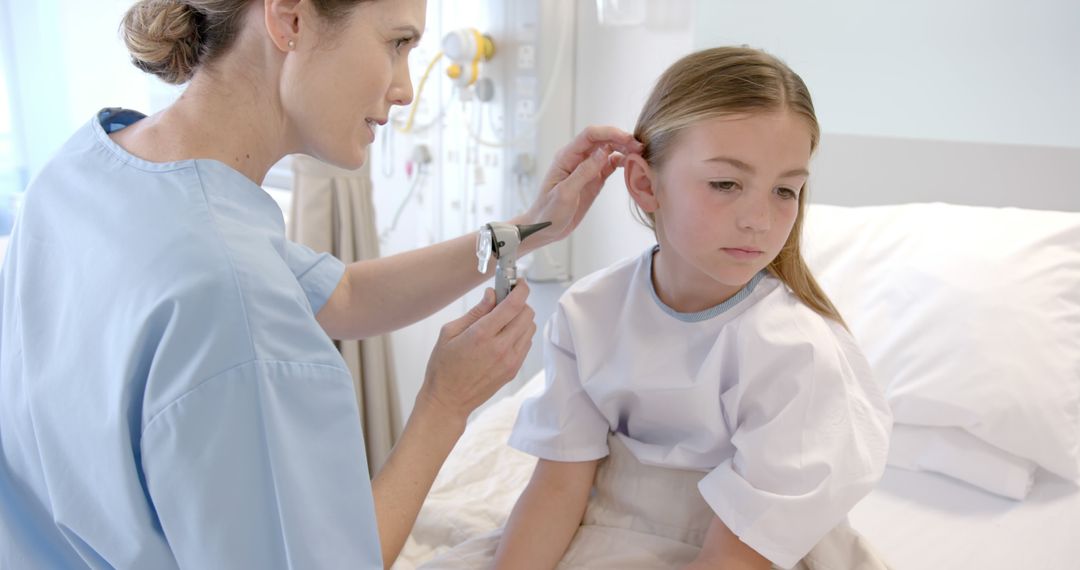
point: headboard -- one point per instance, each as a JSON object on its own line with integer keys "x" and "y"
{"x": 858, "y": 170}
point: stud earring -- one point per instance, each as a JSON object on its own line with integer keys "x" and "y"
{"x": 292, "y": 44}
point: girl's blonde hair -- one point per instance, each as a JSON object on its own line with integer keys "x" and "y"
{"x": 728, "y": 81}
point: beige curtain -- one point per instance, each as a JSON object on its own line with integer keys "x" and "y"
{"x": 332, "y": 211}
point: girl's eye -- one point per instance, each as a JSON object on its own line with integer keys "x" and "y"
{"x": 402, "y": 42}
{"x": 787, "y": 193}
{"x": 725, "y": 185}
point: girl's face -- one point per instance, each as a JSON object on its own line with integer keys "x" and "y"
{"x": 725, "y": 201}
{"x": 338, "y": 88}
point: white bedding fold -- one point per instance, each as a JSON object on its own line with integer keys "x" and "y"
{"x": 958, "y": 454}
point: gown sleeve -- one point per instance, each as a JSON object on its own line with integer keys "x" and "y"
{"x": 810, "y": 430}
{"x": 562, "y": 423}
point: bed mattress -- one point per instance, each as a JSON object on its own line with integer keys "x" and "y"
{"x": 923, "y": 521}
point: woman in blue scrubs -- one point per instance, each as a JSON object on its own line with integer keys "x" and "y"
{"x": 169, "y": 393}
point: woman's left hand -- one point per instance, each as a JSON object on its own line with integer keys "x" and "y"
{"x": 575, "y": 179}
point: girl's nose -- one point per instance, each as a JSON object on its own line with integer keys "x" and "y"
{"x": 753, "y": 213}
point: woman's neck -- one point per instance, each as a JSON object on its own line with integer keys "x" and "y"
{"x": 237, "y": 121}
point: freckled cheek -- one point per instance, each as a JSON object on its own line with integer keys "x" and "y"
{"x": 786, "y": 224}
{"x": 696, "y": 230}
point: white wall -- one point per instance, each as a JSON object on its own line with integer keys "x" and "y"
{"x": 615, "y": 71}
{"x": 68, "y": 62}
{"x": 864, "y": 170}
{"x": 975, "y": 70}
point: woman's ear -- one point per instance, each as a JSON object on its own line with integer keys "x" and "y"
{"x": 641, "y": 183}
{"x": 283, "y": 22}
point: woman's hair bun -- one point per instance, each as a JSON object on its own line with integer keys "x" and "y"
{"x": 163, "y": 38}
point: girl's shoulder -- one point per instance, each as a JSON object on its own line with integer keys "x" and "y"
{"x": 779, "y": 322}
{"x": 606, "y": 287}
{"x": 618, "y": 274}
{"x": 779, "y": 308}
{"x": 783, "y": 348}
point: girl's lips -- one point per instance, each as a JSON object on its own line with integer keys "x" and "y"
{"x": 741, "y": 254}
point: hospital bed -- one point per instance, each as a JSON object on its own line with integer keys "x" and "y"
{"x": 961, "y": 280}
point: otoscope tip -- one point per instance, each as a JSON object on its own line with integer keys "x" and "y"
{"x": 528, "y": 230}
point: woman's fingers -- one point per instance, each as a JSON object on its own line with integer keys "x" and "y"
{"x": 595, "y": 135}
{"x": 586, "y": 171}
{"x": 481, "y": 309}
{"x": 495, "y": 321}
{"x": 481, "y": 351}
{"x": 522, "y": 325}
{"x": 524, "y": 343}
{"x": 588, "y": 140}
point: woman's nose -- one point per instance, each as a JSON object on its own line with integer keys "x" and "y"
{"x": 401, "y": 90}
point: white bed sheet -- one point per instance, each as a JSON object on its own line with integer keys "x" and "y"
{"x": 920, "y": 521}
{"x": 917, "y": 520}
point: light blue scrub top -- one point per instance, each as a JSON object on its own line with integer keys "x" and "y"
{"x": 167, "y": 398}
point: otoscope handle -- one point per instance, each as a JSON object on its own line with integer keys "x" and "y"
{"x": 505, "y": 278}
{"x": 503, "y": 240}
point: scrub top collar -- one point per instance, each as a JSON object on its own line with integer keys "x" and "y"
{"x": 112, "y": 119}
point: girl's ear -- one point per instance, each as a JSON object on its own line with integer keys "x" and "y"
{"x": 283, "y": 23}
{"x": 640, "y": 182}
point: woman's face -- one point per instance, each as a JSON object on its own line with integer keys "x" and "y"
{"x": 340, "y": 81}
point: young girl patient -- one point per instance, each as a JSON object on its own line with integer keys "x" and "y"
{"x": 705, "y": 406}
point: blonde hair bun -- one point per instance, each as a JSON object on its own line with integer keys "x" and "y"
{"x": 163, "y": 38}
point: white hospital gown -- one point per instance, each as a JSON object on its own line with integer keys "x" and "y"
{"x": 776, "y": 403}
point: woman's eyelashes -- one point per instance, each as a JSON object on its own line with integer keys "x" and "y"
{"x": 403, "y": 42}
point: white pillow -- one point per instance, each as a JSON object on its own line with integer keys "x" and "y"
{"x": 970, "y": 317}
{"x": 958, "y": 454}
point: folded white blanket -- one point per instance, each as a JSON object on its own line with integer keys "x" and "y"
{"x": 958, "y": 454}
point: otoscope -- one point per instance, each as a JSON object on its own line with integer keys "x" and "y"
{"x": 502, "y": 240}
